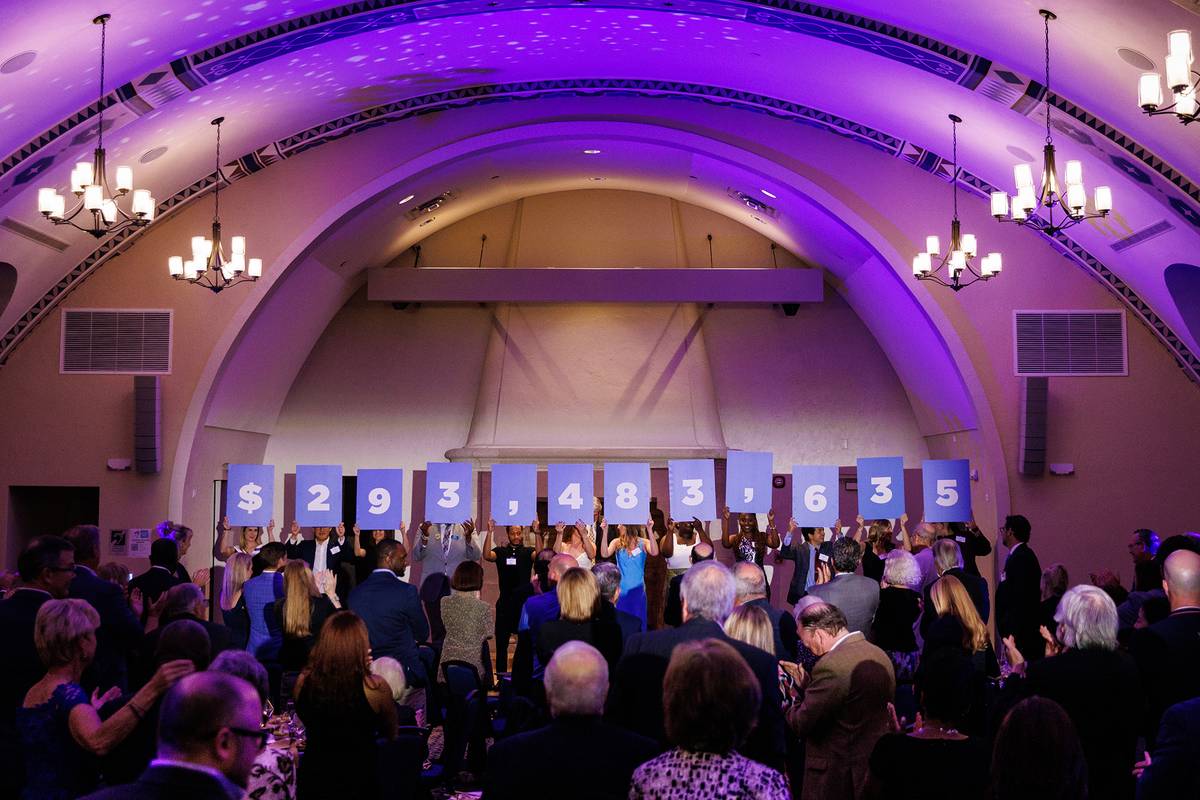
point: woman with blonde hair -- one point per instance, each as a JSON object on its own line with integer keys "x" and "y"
{"x": 579, "y": 619}
{"x": 307, "y": 601}
{"x": 249, "y": 540}
{"x": 750, "y": 624}
{"x": 958, "y": 627}
{"x": 631, "y": 547}
{"x": 233, "y": 605}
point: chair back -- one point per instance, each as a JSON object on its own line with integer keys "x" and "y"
{"x": 461, "y": 678}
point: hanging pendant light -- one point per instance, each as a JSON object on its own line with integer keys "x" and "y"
{"x": 209, "y": 266}
{"x": 1070, "y": 206}
{"x": 1182, "y": 80}
{"x": 955, "y": 268}
{"x": 97, "y": 208}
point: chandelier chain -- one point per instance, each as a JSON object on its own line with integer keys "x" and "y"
{"x": 954, "y": 177}
{"x": 103, "y": 48}
{"x": 217, "y": 191}
{"x": 1046, "y": 20}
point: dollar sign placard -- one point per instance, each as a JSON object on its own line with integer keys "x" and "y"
{"x": 250, "y": 494}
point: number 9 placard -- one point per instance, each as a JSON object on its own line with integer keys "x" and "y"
{"x": 569, "y": 492}
{"x": 250, "y": 490}
{"x": 693, "y": 485}
{"x": 448, "y": 492}
{"x": 814, "y": 496}
{"x": 881, "y": 487}
{"x": 947, "y": 490}
{"x": 319, "y": 494}
{"x": 627, "y": 493}
{"x": 514, "y": 493}
{"x": 379, "y": 503}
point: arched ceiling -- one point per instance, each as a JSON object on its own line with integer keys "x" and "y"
{"x": 886, "y": 73}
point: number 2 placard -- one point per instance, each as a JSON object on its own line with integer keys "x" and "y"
{"x": 814, "y": 496}
{"x": 319, "y": 494}
{"x": 249, "y": 492}
{"x": 748, "y": 482}
{"x": 448, "y": 492}
{"x": 693, "y": 487}
{"x": 569, "y": 492}
{"x": 627, "y": 493}
{"x": 881, "y": 487}
{"x": 380, "y": 499}
{"x": 947, "y": 490}
{"x": 514, "y": 493}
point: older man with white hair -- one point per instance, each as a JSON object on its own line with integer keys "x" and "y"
{"x": 708, "y": 591}
{"x": 752, "y": 591}
{"x": 543, "y": 762}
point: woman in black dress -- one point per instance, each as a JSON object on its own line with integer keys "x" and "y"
{"x": 579, "y": 603}
{"x": 302, "y": 610}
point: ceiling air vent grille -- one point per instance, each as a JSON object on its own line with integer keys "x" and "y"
{"x": 116, "y": 342}
{"x": 1076, "y": 343}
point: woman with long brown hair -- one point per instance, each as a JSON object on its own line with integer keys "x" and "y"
{"x": 631, "y": 547}
{"x": 233, "y": 606}
{"x": 302, "y": 610}
{"x": 344, "y": 707}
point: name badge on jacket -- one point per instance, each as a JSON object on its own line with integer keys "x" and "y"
{"x": 333, "y": 551}
{"x": 512, "y": 562}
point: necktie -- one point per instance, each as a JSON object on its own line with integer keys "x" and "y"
{"x": 812, "y": 567}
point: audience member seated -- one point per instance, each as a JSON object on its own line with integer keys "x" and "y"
{"x": 752, "y": 591}
{"x": 1170, "y": 772}
{"x": 608, "y": 577}
{"x": 635, "y": 701}
{"x": 947, "y": 560}
{"x": 302, "y": 610}
{"x": 1053, "y": 586}
{"x": 899, "y": 606}
{"x": 184, "y": 601}
{"x": 1037, "y": 755}
{"x": 274, "y": 771}
{"x": 58, "y": 725}
{"x": 579, "y": 612}
{"x": 209, "y": 735}
{"x": 845, "y": 707}
{"x": 344, "y": 707}
{"x": 120, "y": 630}
{"x": 857, "y": 597}
{"x": 234, "y": 615}
{"x": 751, "y": 625}
{"x": 155, "y": 581}
{"x": 468, "y": 620}
{"x": 957, "y": 625}
{"x": 956, "y": 764}
{"x": 391, "y": 671}
{"x": 673, "y": 611}
{"x": 539, "y": 609}
{"x": 391, "y": 610}
{"x": 261, "y": 592}
{"x": 545, "y": 763}
{"x": 709, "y": 697}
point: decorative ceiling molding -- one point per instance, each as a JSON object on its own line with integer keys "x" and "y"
{"x": 327, "y": 132}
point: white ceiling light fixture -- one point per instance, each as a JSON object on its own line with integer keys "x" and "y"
{"x": 591, "y": 151}
{"x": 1071, "y": 202}
{"x": 956, "y": 263}
{"x": 1182, "y": 80}
{"x": 209, "y": 266}
{"x": 93, "y": 192}
{"x": 406, "y": 199}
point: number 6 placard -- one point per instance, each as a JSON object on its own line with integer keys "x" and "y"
{"x": 448, "y": 492}
{"x": 814, "y": 496}
{"x": 627, "y": 493}
{"x": 569, "y": 492}
{"x": 319, "y": 494}
{"x": 947, "y": 490}
{"x": 380, "y": 499}
{"x": 881, "y": 487}
{"x": 692, "y": 486}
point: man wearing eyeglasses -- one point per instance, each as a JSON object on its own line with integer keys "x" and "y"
{"x": 209, "y": 733}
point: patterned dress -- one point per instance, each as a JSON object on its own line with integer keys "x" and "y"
{"x": 56, "y": 768}
{"x": 679, "y": 774}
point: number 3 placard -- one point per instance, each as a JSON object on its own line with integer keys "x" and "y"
{"x": 319, "y": 494}
{"x": 881, "y": 487}
{"x": 569, "y": 492}
{"x": 814, "y": 496}
{"x": 448, "y": 492}
{"x": 693, "y": 486}
{"x": 947, "y": 490}
{"x": 627, "y": 493}
{"x": 380, "y": 499}
{"x": 249, "y": 492}
{"x": 514, "y": 493}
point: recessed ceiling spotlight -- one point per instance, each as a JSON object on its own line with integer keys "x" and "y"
{"x": 426, "y": 222}
{"x": 591, "y": 151}
{"x": 771, "y": 195}
{"x": 152, "y": 154}
{"x": 406, "y": 199}
{"x": 1135, "y": 58}
{"x": 18, "y": 62}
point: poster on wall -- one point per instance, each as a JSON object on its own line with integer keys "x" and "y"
{"x": 138, "y": 542}
{"x": 570, "y": 489}
{"x": 380, "y": 499}
{"x": 748, "y": 482}
{"x": 946, "y": 486}
{"x": 693, "y": 488}
{"x": 116, "y": 543}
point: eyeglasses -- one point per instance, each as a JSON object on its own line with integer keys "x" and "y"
{"x": 262, "y": 734}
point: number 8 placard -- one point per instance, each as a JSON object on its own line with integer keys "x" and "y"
{"x": 881, "y": 487}
{"x": 814, "y": 496}
{"x": 380, "y": 499}
{"x": 693, "y": 485}
{"x": 319, "y": 494}
{"x": 627, "y": 493}
{"x": 448, "y": 492}
{"x": 947, "y": 490}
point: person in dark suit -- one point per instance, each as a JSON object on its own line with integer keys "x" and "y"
{"x": 752, "y": 591}
{"x": 1168, "y": 652}
{"x": 209, "y": 733}
{"x": 538, "y": 610}
{"x": 323, "y": 552}
{"x": 545, "y": 763}
{"x": 154, "y": 582}
{"x": 392, "y": 611}
{"x": 1170, "y": 771}
{"x": 856, "y": 595}
{"x": 673, "y": 611}
{"x": 802, "y": 553}
{"x": 183, "y": 601}
{"x": 1019, "y": 594}
{"x": 635, "y": 701}
{"x": 120, "y": 631}
{"x": 971, "y": 542}
{"x": 609, "y": 577}
{"x": 948, "y": 560}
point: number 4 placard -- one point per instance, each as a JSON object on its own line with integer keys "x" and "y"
{"x": 692, "y": 489}
{"x": 814, "y": 496}
{"x": 380, "y": 499}
{"x": 627, "y": 493}
{"x": 947, "y": 486}
{"x": 448, "y": 492}
{"x": 881, "y": 487}
{"x": 569, "y": 492}
{"x": 514, "y": 493}
{"x": 319, "y": 494}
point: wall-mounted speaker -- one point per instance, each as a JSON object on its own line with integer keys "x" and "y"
{"x": 147, "y": 424}
{"x": 1031, "y": 457}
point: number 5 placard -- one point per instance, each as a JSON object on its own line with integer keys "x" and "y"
{"x": 569, "y": 492}
{"x": 693, "y": 486}
{"x": 380, "y": 499}
{"x": 319, "y": 494}
{"x": 448, "y": 492}
{"x": 514, "y": 493}
{"x": 947, "y": 490}
{"x": 627, "y": 493}
{"x": 249, "y": 492}
{"x": 881, "y": 487}
{"x": 814, "y": 496}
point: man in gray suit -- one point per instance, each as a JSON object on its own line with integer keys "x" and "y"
{"x": 440, "y": 554}
{"x": 856, "y": 596}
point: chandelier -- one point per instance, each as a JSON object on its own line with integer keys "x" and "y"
{"x": 1181, "y": 78}
{"x": 209, "y": 267}
{"x": 1071, "y": 204}
{"x": 90, "y": 185}
{"x": 957, "y": 259}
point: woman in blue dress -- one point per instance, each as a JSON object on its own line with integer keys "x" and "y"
{"x": 58, "y": 725}
{"x": 631, "y": 547}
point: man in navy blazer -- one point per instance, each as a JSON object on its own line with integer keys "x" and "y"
{"x": 323, "y": 551}
{"x": 856, "y": 596}
{"x": 1171, "y": 771}
{"x": 804, "y": 554}
{"x": 120, "y": 632}
{"x": 392, "y": 610}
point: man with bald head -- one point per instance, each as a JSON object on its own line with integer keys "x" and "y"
{"x": 752, "y": 591}
{"x": 1168, "y": 652}
{"x": 673, "y": 611}
{"x": 542, "y": 762}
{"x": 538, "y": 610}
